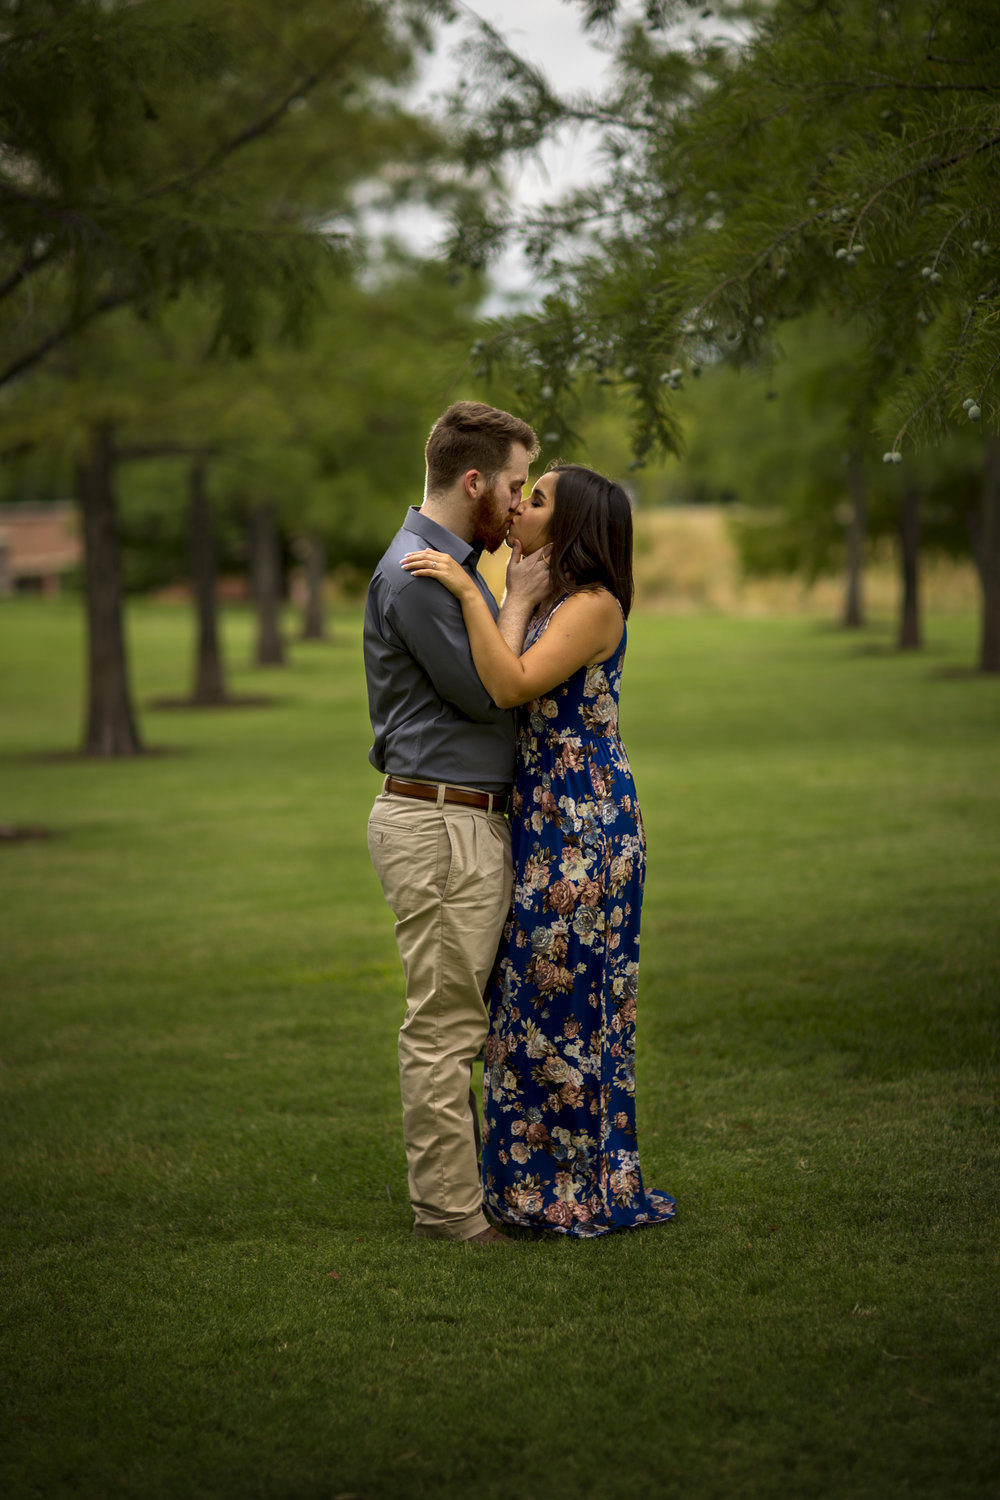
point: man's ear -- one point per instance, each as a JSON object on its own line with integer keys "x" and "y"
{"x": 471, "y": 481}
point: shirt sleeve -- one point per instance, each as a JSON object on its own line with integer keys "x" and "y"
{"x": 429, "y": 622}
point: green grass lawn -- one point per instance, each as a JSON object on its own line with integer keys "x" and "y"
{"x": 210, "y": 1288}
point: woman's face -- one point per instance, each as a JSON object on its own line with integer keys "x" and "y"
{"x": 532, "y": 520}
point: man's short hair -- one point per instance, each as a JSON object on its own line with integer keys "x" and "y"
{"x": 471, "y": 435}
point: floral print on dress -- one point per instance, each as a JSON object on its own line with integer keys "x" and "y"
{"x": 559, "y": 1138}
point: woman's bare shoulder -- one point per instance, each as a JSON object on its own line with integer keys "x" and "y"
{"x": 593, "y": 602}
{"x": 591, "y": 617}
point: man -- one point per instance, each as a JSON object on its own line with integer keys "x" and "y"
{"x": 438, "y": 833}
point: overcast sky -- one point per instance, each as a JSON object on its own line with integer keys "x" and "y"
{"x": 547, "y": 31}
{"x": 549, "y": 34}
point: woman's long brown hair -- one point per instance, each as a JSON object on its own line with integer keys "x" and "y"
{"x": 591, "y": 534}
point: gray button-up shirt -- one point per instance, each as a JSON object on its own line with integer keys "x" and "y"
{"x": 431, "y": 715}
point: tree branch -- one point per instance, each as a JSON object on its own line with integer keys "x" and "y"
{"x": 133, "y": 452}
{"x": 919, "y": 170}
{"x": 717, "y": 291}
{"x": 29, "y": 264}
{"x": 32, "y": 357}
{"x": 941, "y": 383}
{"x": 257, "y": 128}
{"x": 851, "y": 86}
{"x": 964, "y": 218}
{"x": 989, "y": 373}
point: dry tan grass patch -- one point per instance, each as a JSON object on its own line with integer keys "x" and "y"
{"x": 687, "y": 562}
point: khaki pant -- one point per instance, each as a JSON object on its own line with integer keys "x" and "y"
{"x": 446, "y": 873}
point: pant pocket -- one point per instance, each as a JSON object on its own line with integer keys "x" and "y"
{"x": 480, "y": 856}
{"x": 461, "y": 835}
{"x": 413, "y": 864}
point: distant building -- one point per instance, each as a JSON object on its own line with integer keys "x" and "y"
{"x": 39, "y": 544}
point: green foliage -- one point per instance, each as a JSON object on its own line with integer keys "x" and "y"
{"x": 780, "y": 437}
{"x": 219, "y": 179}
{"x": 330, "y": 431}
{"x": 837, "y": 155}
{"x": 153, "y": 525}
{"x": 162, "y": 145}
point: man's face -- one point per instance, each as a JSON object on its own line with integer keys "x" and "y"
{"x": 496, "y": 503}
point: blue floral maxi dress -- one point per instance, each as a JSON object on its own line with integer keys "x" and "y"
{"x": 559, "y": 1138}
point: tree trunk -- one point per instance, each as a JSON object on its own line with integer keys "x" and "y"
{"x": 111, "y": 728}
{"x": 209, "y": 673}
{"x": 910, "y": 630}
{"x": 314, "y": 611}
{"x": 986, "y": 549}
{"x": 265, "y": 572}
{"x": 854, "y": 609}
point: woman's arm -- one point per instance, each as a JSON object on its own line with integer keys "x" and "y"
{"x": 526, "y": 584}
{"x": 586, "y": 630}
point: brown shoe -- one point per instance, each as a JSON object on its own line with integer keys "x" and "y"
{"x": 489, "y": 1236}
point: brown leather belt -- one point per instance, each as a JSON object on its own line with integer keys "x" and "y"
{"x": 429, "y": 792}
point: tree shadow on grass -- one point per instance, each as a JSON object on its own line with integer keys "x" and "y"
{"x": 81, "y": 758}
{"x": 24, "y": 833}
{"x": 851, "y": 632}
{"x": 889, "y": 651}
{"x": 963, "y": 674}
{"x": 232, "y": 700}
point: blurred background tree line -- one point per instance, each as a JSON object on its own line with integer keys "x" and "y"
{"x": 779, "y": 292}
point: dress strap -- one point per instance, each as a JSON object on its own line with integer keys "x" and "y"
{"x": 543, "y": 622}
{"x": 537, "y": 626}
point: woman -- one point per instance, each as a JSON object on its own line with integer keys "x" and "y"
{"x": 559, "y": 1138}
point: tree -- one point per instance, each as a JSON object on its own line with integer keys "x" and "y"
{"x": 797, "y": 506}
{"x": 328, "y": 434}
{"x": 163, "y": 145}
{"x": 209, "y": 685}
{"x": 835, "y": 154}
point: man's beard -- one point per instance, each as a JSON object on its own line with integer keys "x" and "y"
{"x": 490, "y": 523}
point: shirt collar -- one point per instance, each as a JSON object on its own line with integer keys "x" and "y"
{"x": 441, "y": 539}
